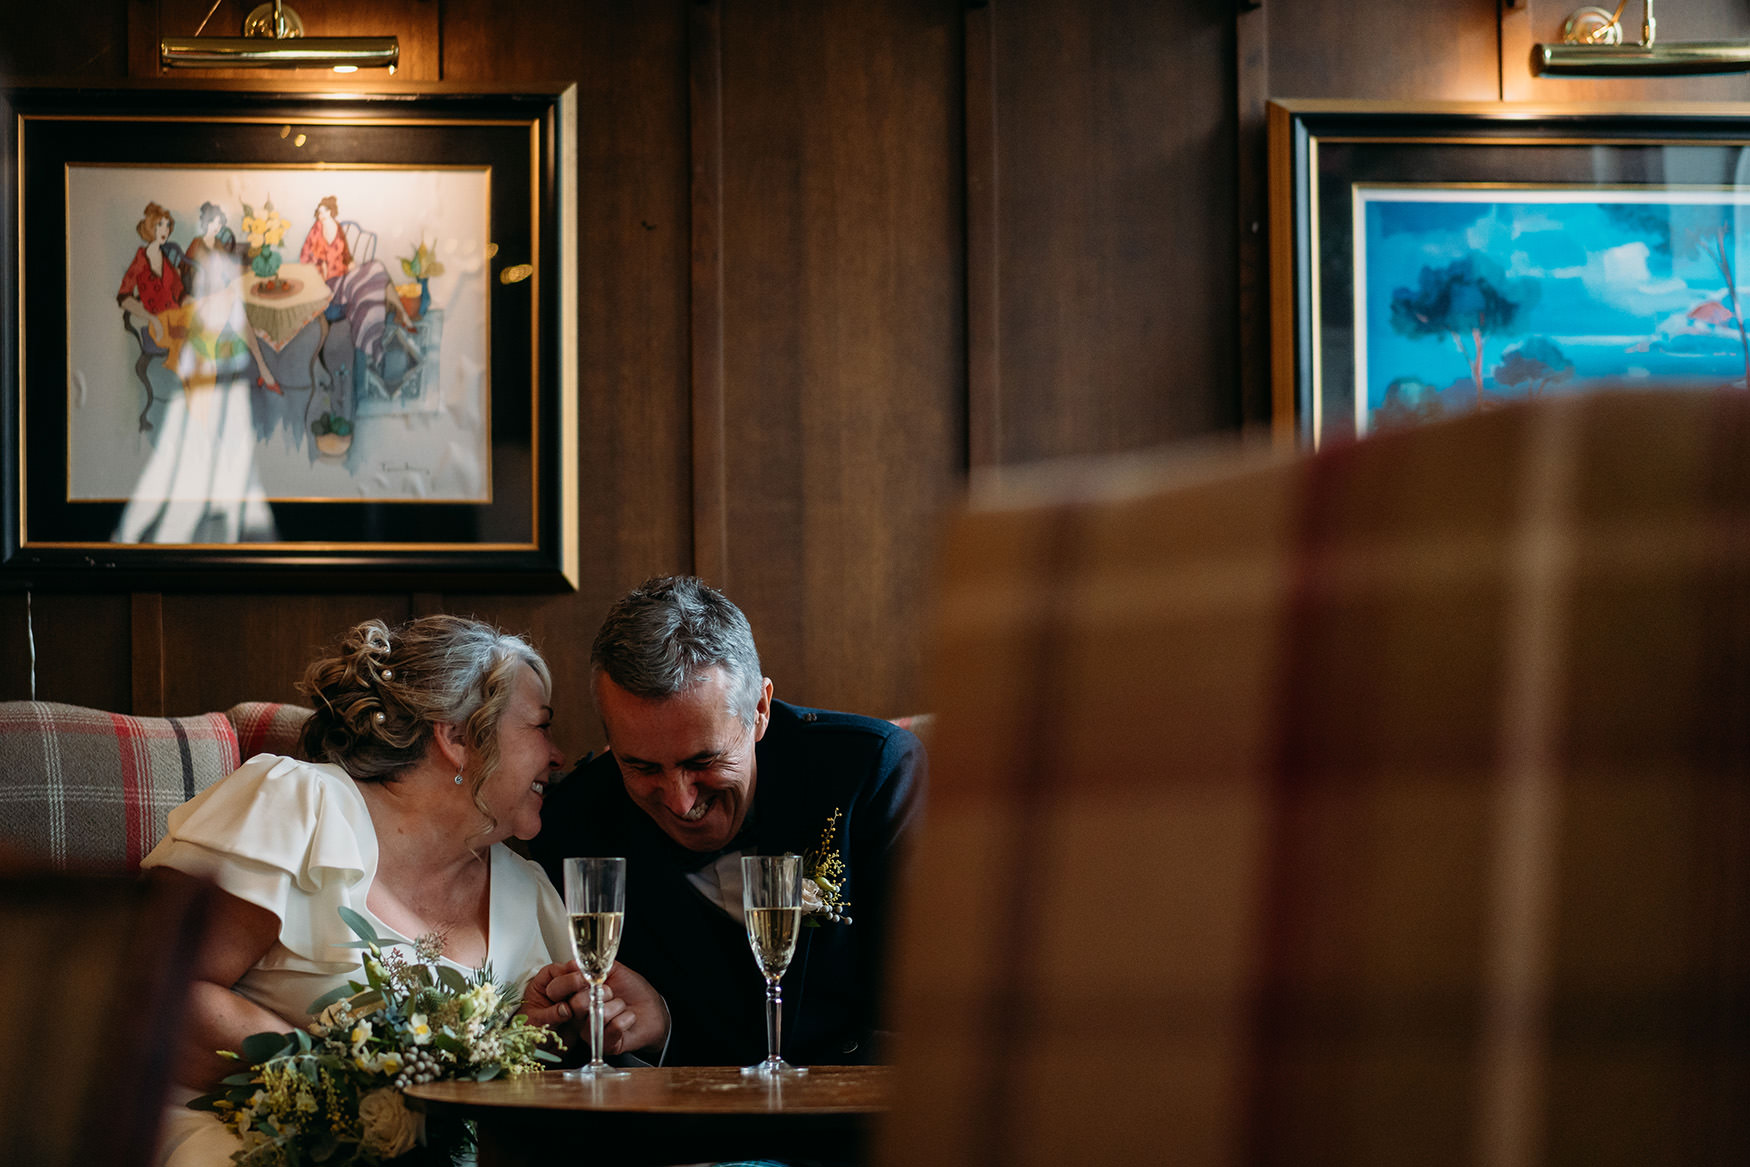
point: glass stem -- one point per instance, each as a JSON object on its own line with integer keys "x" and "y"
{"x": 774, "y": 1020}
{"x": 595, "y": 1023}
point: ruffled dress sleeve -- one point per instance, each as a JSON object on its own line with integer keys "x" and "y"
{"x": 530, "y": 928}
{"x": 292, "y": 837}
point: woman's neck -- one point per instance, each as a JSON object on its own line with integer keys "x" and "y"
{"x": 432, "y": 873}
{"x": 426, "y": 823}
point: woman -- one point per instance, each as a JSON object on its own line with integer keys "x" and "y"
{"x": 325, "y": 245}
{"x": 219, "y": 331}
{"x": 200, "y": 482}
{"x": 152, "y": 288}
{"x": 433, "y": 745}
{"x": 364, "y": 293}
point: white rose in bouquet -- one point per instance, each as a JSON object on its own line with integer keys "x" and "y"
{"x": 390, "y": 1129}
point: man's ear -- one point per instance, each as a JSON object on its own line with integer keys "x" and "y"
{"x": 762, "y": 713}
{"x": 450, "y": 744}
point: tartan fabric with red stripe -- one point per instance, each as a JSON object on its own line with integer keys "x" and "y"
{"x": 81, "y": 788}
{"x": 84, "y": 788}
{"x": 267, "y": 727}
{"x": 1386, "y": 805}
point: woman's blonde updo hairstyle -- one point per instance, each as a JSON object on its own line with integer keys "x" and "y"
{"x": 380, "y": 697}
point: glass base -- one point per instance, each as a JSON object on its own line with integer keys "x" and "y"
{"x": 597, "y": 1071}
{"x": 773, "y": 1068}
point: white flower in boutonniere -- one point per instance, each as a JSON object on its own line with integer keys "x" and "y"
{"x": 823, "y": 879}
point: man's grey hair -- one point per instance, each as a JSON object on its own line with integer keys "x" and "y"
{"x": 666, "y": 632}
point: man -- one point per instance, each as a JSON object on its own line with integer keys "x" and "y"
{"x": 703, "y": 767}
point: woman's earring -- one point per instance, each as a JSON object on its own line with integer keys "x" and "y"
{"x": 458, "y": 779}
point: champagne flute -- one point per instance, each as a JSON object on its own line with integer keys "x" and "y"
{"x": 771, "y": 895}
{"x": 595, "y": 898}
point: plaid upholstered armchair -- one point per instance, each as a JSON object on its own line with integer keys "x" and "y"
{"x": 1379, "y": 806}
{"x": 89, "y": 790}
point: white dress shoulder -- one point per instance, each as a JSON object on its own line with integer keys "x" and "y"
{"x": 296, "y": 838}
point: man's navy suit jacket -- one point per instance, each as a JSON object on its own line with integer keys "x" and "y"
{"x": 809, "y": 764}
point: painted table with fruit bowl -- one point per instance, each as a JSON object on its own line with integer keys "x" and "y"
{"x": 280, "y": 307}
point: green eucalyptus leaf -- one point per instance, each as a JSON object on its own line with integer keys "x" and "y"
{"x": 238, "y": 1079}
{"x": 452, "y": 980}
{"x": 449, "y": 1043}
{"x": 259, "y": 1047}
{"x": 330, "y": 997}
{"x": 360, "y": 926}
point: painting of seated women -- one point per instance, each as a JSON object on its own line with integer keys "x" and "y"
{"x": 225, "y": 347}
{"x": 364, "y": 292}
{"x": 152, "y": 287}
{"x": 199, "y": 482}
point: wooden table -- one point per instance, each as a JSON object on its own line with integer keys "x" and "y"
{"x": 671, "y": 1115}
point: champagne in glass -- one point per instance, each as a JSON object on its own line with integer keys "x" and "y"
{"x": 771, "y": 896}
{"x": 595, "y": 898}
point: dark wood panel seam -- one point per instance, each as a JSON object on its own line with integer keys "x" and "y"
{"x": 984, "y": 431}
{"x": 1252, "y": 93}
{"x": 710, "y": 473}
{"x": 146, "y": 638}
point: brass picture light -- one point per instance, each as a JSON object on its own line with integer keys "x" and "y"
{"x": 1592, "y": 47}
{"x": 273, "y": 37}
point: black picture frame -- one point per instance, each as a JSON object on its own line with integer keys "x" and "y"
{"x": 516, "y": 531}
{"x": 1327, "y": 158}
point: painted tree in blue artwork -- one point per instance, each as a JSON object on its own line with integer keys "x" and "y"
{"x": 1537, "y": 364}
{"x": 1686, "y": 229}
{"x": 1469, "y": 298}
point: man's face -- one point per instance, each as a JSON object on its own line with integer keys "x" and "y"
{"x": 686, "y": 760}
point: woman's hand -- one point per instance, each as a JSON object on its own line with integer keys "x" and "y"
{"x": 633, "y": 1015}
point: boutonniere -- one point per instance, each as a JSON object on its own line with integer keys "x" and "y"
{"x": 823, "y": 879}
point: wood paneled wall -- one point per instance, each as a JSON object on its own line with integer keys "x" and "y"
{"x": 833, "y": 254}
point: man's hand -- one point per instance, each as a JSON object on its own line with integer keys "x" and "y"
{"x": 633, "y": 1015}
{"x": 643, "y": 1025}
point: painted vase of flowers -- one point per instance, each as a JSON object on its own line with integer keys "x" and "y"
{"x": 265, "y": 232}
{"x": 420, "y": 267}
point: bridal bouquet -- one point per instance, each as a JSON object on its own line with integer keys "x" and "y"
{"x": 332, "y": 1094}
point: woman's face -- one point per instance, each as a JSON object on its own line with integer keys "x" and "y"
{"x": 527, "y": 760}
{"x": 161, "y": 229}
{"x": 323, "y": 214}
{"x": 214, "y": 225}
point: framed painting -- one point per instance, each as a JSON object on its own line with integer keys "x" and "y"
{"x": 271, "y": 338}
{"x": 1434, "y": 260}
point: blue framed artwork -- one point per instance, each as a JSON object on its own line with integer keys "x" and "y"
{"x": 1433, "y": 261}
{"x": 262, "y": 337}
